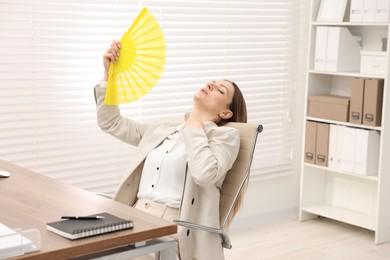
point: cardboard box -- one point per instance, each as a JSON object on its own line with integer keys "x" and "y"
{"x": 373, "y": 62}
{"x": 357, "y": 99}
{"x": 329, "y": 107}
{"x": 373, "y": 97}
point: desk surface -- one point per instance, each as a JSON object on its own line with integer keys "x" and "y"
{"x": 30, "y": 200}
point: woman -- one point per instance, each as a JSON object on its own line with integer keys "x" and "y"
{"x": 179, "y": 165}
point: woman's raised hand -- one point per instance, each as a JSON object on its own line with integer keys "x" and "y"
{"x": 112, "y": 54}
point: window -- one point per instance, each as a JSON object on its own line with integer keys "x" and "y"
{"x": 51, "y": 58}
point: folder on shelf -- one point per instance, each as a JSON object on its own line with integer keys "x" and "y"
{"x": 369, "y": 11}
{"x": 373, "y": 95}
{"x": 382, "y": 11}
{"x": 322, "y": 144}
{"x": 348, "y": 148}
{"x": 310, "y": 142}
{"x": 359, "y": 150}
{"x": 336, "y": 50}
{"x": 366, "y": 157}
{"x": 343, "y": 50}
{"x": 320, "y": 48}
{"x": 335, "y": 147}
{"x": 357, "y": 101}
{"x": 356, "y": 11}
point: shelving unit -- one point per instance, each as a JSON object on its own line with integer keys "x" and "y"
{"x": 359, "y": 200}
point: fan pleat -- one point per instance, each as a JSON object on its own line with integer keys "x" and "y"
{"x": 141, "y": 61}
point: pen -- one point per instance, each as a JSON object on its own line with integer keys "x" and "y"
{"x": 82, "y": 217}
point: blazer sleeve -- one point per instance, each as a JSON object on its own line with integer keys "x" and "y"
{"x": 210, "y": 155}
{"x": 110, "y": 121}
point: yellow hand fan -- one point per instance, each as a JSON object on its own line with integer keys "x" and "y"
{"x": 140, "y": 63}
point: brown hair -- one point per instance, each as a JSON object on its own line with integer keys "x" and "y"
{"x": 237, "y": 106}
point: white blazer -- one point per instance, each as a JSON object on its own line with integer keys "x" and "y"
{"x": 210, "y": 153}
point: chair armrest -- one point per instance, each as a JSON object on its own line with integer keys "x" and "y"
{"x": 226, "y": 243}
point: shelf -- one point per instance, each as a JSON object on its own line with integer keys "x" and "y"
{"x": 349, "y": 74}
{"x": 364, "y": 177}
{"x": 377, "y": 128}
{"x": 350, "y": 24}
{"x": 344, "y": 215}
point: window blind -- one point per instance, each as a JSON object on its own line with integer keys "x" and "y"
{"x": 51, "y": 58}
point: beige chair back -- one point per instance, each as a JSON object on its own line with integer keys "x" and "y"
{"x": 238, "y": 176}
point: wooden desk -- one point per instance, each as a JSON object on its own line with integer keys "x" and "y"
{"x": 30, "y": 200}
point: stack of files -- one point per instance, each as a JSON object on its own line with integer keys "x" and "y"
{"x": 336, "y": 50}
{"x": 353, "y": 150}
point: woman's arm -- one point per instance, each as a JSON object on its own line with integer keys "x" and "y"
{"x": 210, "y": 155}
{"x": 109, "y": 117}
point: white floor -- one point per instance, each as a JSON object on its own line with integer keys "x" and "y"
{"x": 290, "y": 239}
{"x": 317, "y": 239}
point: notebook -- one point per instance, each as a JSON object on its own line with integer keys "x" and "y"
{"x": 79, "y": 228}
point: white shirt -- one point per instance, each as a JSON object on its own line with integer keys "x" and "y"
{"x": 163, "y": 175}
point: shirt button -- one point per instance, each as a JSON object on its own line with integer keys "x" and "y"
{"x": 158, "y": 168}
{"x": 192, "y": 201}
{"x": 152, "y": 185}
{"x": 188, "y": 232}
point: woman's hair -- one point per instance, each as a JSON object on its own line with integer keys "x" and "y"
{"x": 237, "y": 106}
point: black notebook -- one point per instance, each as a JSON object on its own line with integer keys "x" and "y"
{"x": 78, "y": 228}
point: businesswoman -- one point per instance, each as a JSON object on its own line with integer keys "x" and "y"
{"x": 180, "y": 163}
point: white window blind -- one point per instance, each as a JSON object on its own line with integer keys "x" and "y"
{"x": 51, "y": 58}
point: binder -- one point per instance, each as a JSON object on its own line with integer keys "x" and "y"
{"x": 356, "y": 12}
{"x": 310, "y": 142}
{"x": 382, "y": 11}
{"x": 356, "y": 104}
{"x": 369, "y": 11}
{"x": 322, "y": 144}
{"x": 320, "y": 48}
{"x": 335, "y": 147}
{"x": 348, "y": 150}
{"x": 373, "y": 95}
{"x": 366, "y": 156}
{"x": 343, "y": 50}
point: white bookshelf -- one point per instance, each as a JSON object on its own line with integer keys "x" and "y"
{"x": 362, "y": 201}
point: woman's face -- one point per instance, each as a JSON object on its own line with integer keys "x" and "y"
{"x": 215, "y": 97}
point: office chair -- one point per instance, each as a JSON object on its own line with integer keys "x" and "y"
{"x": 235, "y": 182}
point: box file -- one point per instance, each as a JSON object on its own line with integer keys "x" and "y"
{"x": 320, "y": 48}
{"x": 343, "y": 50}
{"x": 335, "y": 147}
{"x": 373, "y": 95}
{"x": 310, "y": 142}
{"x": 336, "y": 49}
{"x": 366, "y": 157}
{"x": 369, "y": 11}
{"x": 356, "y": 12}
{"x": 358, "y": 152}
{"x": 357, "y": 99}
{"x": 322, "y": 144}
{"x": 382, "y": 11}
